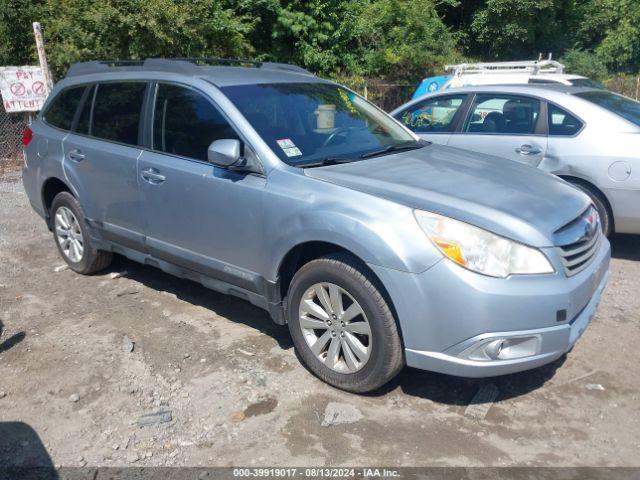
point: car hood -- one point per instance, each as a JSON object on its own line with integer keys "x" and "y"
{"x": 511, "y": 199}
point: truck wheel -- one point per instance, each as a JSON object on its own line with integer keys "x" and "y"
{"x": 72, "y": 238}
{"x": 341, "y": 325}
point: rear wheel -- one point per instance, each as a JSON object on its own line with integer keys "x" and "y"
{"x": 341, "y": 325}
{"x": 72, "y": 238}
{"x": 606, "y": 217}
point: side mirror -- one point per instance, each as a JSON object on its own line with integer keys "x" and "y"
{"x": 224, "y": 153}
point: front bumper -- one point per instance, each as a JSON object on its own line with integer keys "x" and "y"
{"x": 460, "y": 309}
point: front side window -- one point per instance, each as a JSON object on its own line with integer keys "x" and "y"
{"x": 435, "y": 115}
{"x": 310, "y": 123}
{"x": 185, "y": 122}
{"x": 621, "y": 106}
{"x": 503, "y": 114}
{"x": 562, "y": 122}
{"x": 116, "y": 111}
{"x": 63, "y": 108}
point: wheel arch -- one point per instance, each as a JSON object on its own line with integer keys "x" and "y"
{"x": 51, "y": 187}
{"x": 305, "y": 252}
{"x": 596, "y": 191}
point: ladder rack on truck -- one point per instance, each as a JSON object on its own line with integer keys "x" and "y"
{"x": 533, "y": 67}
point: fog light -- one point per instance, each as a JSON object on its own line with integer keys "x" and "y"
{"x": 503, "y": 348}
{"x": 493, "y": 349}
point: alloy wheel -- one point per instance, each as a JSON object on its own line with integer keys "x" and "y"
{"x": 335, "y": 327}
{"x": 69, "y": 234}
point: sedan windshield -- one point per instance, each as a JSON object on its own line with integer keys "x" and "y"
{"x": 622, "y": 106}
{"x": 312, "y": 124}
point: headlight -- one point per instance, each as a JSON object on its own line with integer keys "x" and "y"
{"x": 479, "y": 250}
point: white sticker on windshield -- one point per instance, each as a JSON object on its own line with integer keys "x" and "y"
{"x": 288, "y": 147}
{"x": 285, "y": 143}
{"x": 292, "y": 152}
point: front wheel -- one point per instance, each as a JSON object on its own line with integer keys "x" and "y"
{"x": 342, "y": 326}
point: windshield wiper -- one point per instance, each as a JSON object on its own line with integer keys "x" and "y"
{"x": 410, "y": 145}
{"x": 327, "y": 161}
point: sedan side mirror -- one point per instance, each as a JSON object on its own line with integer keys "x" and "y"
{"x": 224, "y": 153}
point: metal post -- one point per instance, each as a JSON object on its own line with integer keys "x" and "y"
{"x": 37, "y": 32}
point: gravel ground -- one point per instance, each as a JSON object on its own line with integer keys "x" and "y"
{"x": 147, "y": 369}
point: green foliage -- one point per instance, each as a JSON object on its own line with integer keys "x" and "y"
{"x": 139, "y": 29}
{"x": 395, "y": 40}
{"x": 516, "y": 29}
{"x": 585, "y": 63}
{"x": 16, "y": 35}
{"x": 612, "y": 29}
{"x": 403, "y": 39}
{"x": 318, "y": 34}
{"x": 391, "y": 38}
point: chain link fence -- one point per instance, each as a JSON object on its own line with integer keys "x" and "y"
{"x": 11, "y": 127}
{"x": 388, "y": 96}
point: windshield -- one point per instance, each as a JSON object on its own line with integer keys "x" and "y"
{"x": 311, "y": 123}
{"x": 586, "y": 82}
{"x": 622, "y": 106}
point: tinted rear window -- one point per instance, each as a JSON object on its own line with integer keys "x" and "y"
{"x": 63, "y": 108}
{"x": 561, "y": 122}
{"x": 116, "y": 112}
{"x": 622, "y": 106}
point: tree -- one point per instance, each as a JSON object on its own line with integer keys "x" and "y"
{"x": 588, "y": 64}
{"x": 16, "y": 34}
{"x": 517, "y": 29}
{"x": 78, "y": 30}
{"x": 612, "y": 29}
{"x": 318, "y": 34}
{"x": 403, "y": 39}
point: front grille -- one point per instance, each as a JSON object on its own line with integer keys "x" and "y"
{"x": 577, "y": 256}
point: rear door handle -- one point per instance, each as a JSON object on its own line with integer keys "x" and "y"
{"x": 153, "y": 176}
{"x": 76, "y": 155}
{"x": 527, "y": 149}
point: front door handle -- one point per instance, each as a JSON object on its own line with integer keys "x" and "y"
{"x": 153, "y": 176}
{"x": 527, "y": 149}
{"x": 76, "y": 155}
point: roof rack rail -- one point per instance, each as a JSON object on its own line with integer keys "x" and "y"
{"x": 186, "y": 65}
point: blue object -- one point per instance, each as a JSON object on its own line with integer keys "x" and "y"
{"x": 430, "y": 85}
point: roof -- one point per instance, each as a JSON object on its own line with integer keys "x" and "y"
{"x": 222, "y": 72}
{"x": 558, "y": 76}
{"x": 525, "y": 88}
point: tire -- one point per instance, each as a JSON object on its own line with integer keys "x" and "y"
{"x": 67, "y": 218}
{"x": 606, "y": 217}
{"x": 358, "y": 290}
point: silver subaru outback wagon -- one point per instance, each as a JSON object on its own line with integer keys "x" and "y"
{"x": 262, "y": 181}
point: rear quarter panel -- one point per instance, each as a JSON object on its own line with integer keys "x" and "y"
{"x": 609, "y": 160}
{"x": 44, "y": 158}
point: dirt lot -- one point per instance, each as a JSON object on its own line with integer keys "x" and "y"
{"x": 236, "y": 394}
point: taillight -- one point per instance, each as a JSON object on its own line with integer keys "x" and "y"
{"x": 27, "y": 135}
